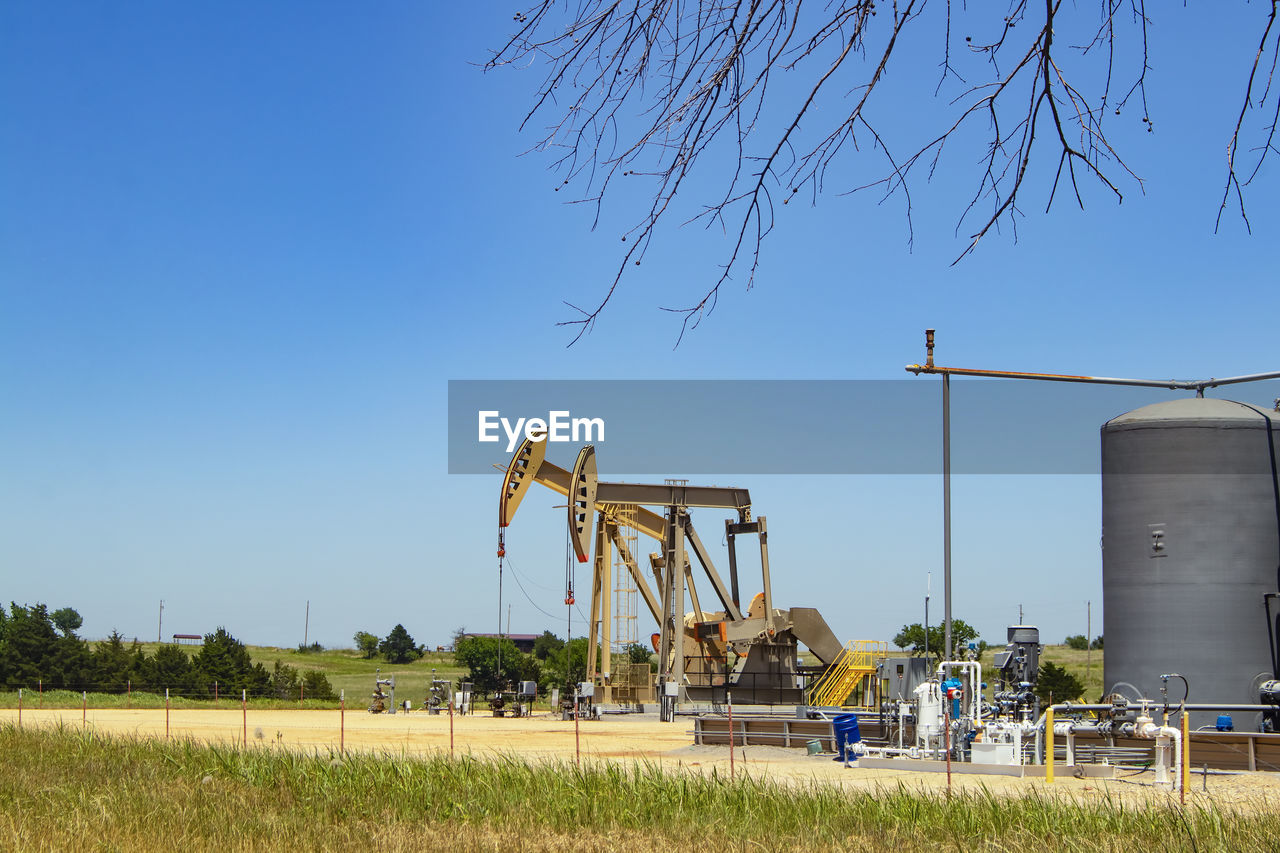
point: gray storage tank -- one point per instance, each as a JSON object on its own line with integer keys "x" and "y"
{"x": 1191, "y": 544}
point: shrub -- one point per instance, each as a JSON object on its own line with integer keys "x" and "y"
{"x": 317, "y": 686}
{"x": 1057, "y": 684}
{"x": 225, "y": 660}
{"x": 366, "y": 644}
{"x": 399, "y": 647}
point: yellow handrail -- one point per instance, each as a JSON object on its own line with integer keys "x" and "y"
{"x": 851, "y": 668}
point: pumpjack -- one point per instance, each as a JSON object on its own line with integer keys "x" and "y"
{"x": 702, "y": 654}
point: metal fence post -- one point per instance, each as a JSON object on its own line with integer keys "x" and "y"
{"x": 729, "y": 696}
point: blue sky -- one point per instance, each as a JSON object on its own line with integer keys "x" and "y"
{"x": 244, "y": 248}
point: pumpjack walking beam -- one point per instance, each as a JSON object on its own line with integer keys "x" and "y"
{"x": 529, "y": 466}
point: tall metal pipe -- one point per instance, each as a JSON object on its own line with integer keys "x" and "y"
{"x": 1190, "y": 706}
{"x": 1198, "y": 385}
{"x": 947, "y": 651}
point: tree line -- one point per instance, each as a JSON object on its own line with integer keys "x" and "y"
{"x": 1053, "y": 680}
{"x": 41, "y": 649}
{"x": 496, "y": 664}
{"x": 1081, "y": 643}
{"x": 397, "y": 647}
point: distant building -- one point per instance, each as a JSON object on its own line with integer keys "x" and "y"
{"x": 523, "y": 642}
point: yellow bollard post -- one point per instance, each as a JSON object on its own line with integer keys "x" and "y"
{"x": 1186, "y": 754}
{"x": 1048, "y": 746}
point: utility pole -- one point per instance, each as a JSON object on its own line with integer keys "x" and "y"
{"x": 306, "y": 625}
{"x": 160, "y": 624}
{"x": 508, "y": 634}
{"x": 928, "y": 587}
{"x": 926, "y": 628}
{"x": 1088, "y": 635}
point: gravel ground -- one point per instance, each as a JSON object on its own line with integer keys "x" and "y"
{"x": 625, "y": 738}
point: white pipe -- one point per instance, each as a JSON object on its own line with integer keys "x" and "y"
{"x": 974, "y": 699}
{"x": 1070, "y": 729}
{"x": 884, "y": 751}
{"x": 1146, "y": 728}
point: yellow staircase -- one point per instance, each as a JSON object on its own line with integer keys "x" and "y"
{"x": 854, "y": 667}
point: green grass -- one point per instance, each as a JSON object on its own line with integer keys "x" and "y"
{"x": 347, "y": 670}
{"x": 66, "y": 789}
{"x": 1084, "y": 665}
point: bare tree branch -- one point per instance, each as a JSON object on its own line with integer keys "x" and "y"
{"x": 748, "y": 93}
{"x": 1233, "y": 147}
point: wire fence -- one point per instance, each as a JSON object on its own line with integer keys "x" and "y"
{"x": 128, "y": 694}
{"x": 339, "y": 730}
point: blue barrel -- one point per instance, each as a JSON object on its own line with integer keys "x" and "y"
{"x": 847, "y": 732}
{"x": 1224, "y": 723}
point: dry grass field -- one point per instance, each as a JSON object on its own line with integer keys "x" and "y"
{"x": 112, "y": 781}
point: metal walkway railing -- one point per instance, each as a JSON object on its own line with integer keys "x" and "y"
{"x": 854, "y": 668}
